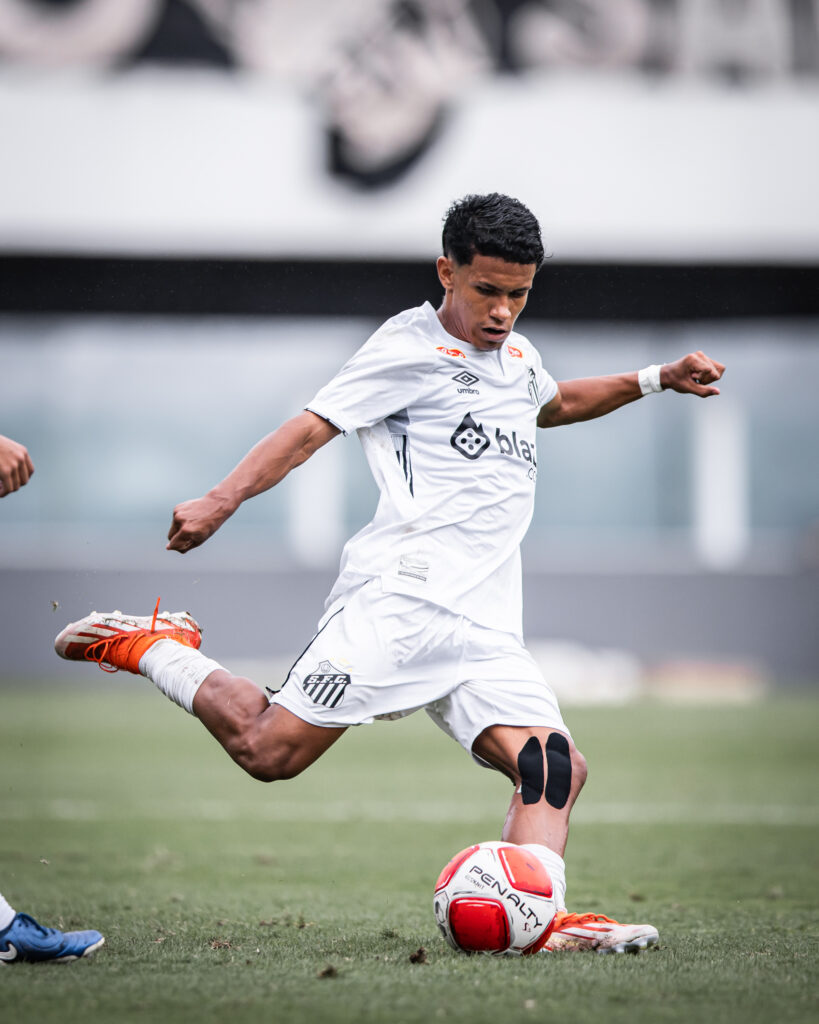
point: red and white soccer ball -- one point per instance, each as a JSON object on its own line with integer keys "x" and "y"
{"x": 495, "y": 898}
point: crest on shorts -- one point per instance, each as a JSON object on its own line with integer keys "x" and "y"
{"x": 326, "y": 685}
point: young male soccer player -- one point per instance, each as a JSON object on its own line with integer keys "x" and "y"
{"x": 426, "y": 611}
{"x": 21, "y": 937}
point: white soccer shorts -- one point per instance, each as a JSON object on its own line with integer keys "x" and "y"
{"x": 381, "y": 655}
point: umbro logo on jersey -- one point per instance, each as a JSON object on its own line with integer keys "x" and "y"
{"x": 469, "y": 438}
{"x": 326, "y": 685}
{"x": 456, "y": 352}
{"x": 468, "y": 380}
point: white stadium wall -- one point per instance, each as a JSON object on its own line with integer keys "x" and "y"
{"x": 636, "y": 129}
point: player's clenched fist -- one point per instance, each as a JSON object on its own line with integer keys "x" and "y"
{"x": 16, "y": 466}
{"x": 194, "y": 521}
{"x": 693, "y": 374}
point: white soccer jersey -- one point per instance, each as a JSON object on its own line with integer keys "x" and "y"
{"x": 449, "y": 434}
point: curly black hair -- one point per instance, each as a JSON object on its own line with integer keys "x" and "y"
{"x": 492, "y": 225}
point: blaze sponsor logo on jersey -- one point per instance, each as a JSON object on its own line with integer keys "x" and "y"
{"x": 456, "y": 352}
{"x": 326, "y": 685}
{"x": 469, "y": 438}
{"x": 515, "y": 447}
{"x": 514, "y": 352}
{"x": 468, "y": 380}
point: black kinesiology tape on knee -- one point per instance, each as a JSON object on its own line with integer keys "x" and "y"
{"x": 531, "y": 769}
{"x": 558, "y": 770}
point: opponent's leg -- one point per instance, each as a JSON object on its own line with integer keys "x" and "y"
{"x": 24, "y": 940}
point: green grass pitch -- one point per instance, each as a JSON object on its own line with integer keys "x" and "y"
{"x": 226, "y": 900}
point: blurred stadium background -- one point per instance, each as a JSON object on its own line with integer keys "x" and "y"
{"x": 206, "y": 206}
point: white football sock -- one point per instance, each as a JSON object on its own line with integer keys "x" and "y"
{"x": 178, "y": 671}
{"x": 556, "y": 867}
{"x": 7, "y": 914}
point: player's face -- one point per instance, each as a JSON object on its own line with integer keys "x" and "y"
{"x": 483, "y": 298}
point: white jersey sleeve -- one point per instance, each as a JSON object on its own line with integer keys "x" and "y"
{"x": 387, "y": 373}
{"x": 546, "y": 384}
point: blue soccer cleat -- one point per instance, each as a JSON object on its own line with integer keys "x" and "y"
{"x": 26, "y": 941}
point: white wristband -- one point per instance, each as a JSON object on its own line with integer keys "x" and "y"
{"x": 649, "y": 379}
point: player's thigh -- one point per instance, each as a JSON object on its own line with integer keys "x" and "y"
{"x": 501, "y": 687}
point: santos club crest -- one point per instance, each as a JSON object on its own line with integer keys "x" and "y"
{"x": 326, "y": 685}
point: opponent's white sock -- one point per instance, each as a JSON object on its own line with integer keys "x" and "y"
{"x": 178, "y": 671}
{"x": 7, "y": 913}
{"x": 556, "y": 867}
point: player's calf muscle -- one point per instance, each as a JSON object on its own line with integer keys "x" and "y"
{"x": 544, "y": 765}
{"x": 230, "y": 707}
{"x": 555, "y": 771}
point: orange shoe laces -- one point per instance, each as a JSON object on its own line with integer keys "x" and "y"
{"x": 123, "y": 644}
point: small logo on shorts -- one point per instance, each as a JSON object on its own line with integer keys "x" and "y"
{"x": 326, "y": 685}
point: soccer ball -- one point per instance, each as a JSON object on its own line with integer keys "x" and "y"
{"x": 495, "y": 898}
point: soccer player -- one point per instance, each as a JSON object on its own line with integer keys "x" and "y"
{"x": 426, "y": 611}
{"x": 21, "y": 937}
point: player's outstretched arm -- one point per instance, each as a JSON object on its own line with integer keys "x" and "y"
{"x": 15, "y": 466}
{"x": 590, "y": 397}
{"x": 265, "y": 465}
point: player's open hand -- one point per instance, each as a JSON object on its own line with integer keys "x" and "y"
{"x": 15, "y": 466}
{"x": 694, "y": 374}
{"x": 194, "y": 521}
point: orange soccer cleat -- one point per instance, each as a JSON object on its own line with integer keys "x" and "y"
{"x": 587, "y": 932}
{"x": 116, "y": 641}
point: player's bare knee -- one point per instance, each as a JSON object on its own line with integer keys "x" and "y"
{"x": 268, "y": 764}
{"x": 580, "y": 770}
{"x": 265, "y": 769}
